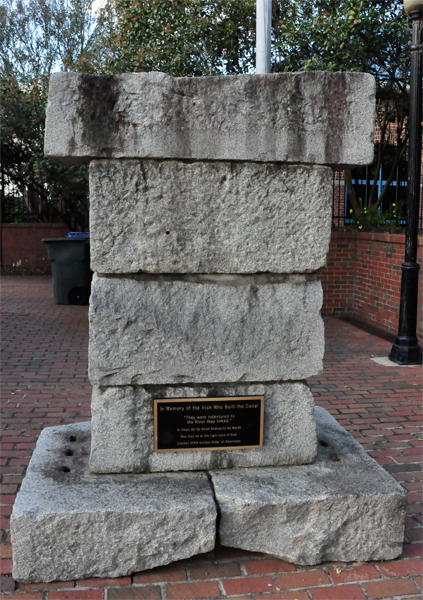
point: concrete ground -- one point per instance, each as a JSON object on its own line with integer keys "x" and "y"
{"x": 44, "y": 382}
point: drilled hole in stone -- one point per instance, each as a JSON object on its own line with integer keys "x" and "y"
{"x": 72, "y": 438}
{"x": 335, "y": 458}
{"x": 323, "y": 443}
{"x": 65, "y": 469}
{"x": 167, "y": 232}
{"x": 69, "y": 452}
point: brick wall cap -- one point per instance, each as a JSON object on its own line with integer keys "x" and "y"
{"x": 393, "y": 238}
{"x": 35, "y": 225}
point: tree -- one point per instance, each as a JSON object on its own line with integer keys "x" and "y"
{"x": 203, "y": 37}
{"x": 38, "y": 37}
{"x": 353, "y": 35}
{"x": 199, "y": 37}
{"x": 191, "y": 38}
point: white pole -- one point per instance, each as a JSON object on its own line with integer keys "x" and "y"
{"x": 263, "y": 35}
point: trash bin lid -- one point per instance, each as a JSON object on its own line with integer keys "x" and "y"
{"x": 79, "y": 234}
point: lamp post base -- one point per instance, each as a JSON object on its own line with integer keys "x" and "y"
{"x": 406, "y": 354}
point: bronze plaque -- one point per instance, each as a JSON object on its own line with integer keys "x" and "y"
{"x": 188, "y": 424}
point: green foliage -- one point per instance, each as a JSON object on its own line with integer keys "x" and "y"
{"x": 368, "y": 36}
{"x": 40, "y": 36}
{"x": 37, "y": 37}
{"x": 49, "y": 188}
{"x": 343, "y": 35}
{"x": 194, "y": 38}
{"x": 202, "y": 37}
{"x": 372, "y": 219}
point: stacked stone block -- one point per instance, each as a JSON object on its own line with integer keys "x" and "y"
{"x": 206, "y": 291}
{"x": 205, "y": 241}
{"x": 210, "y": 215}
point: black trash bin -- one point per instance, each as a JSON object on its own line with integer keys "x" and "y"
{"x": 70, "y": 266}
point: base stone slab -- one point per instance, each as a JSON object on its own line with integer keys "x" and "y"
{"x": 70, "y": 524}
{"x": 343, "y": 507}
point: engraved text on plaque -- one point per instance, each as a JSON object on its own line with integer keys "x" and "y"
{"x": 208, "y": 423}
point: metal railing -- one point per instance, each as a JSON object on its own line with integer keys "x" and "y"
{"x": 342, "y": 210}
{"x": 17, "y": 207}
{"x": 26, "y": 206}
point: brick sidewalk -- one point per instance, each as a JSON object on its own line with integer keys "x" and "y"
{"x": 44, "y": 383}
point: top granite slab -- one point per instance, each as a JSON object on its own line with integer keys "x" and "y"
{"x": 310, "y": 117}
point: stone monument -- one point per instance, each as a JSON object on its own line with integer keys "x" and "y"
{"x": 210, "y": 213}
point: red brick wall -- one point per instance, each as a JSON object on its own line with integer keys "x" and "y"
{"x": 22, "y": 249}
{"x": 338, "y": 277}
{"x": 363, "y": 278}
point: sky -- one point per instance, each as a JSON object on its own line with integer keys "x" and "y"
{"x": 97, "y": 4}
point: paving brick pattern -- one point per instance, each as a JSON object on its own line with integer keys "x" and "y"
{"x": 44, "y": 382}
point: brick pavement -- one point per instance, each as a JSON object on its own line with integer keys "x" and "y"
{"x": 44, "y": 382}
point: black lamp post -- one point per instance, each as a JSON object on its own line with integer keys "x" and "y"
{"x": 406, "y": 350}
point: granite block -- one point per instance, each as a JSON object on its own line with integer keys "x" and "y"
{"x": 208, "y": 217}
{"x": 343, "y": 507}
{"x": 312, "y": 117}
{"x": 123, "y": 436}
{"x": 204, "y": 329}
{"x": 70, "y": 524}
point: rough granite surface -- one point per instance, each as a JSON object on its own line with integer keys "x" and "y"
{"x": 204, "y": 329}
{"x": 344, "y": 507}
{"x": 208, "y": 217}
{"x": 123, "y": 436}
{"x": 75, "y": 525}
{"x": 310, "y": 117}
